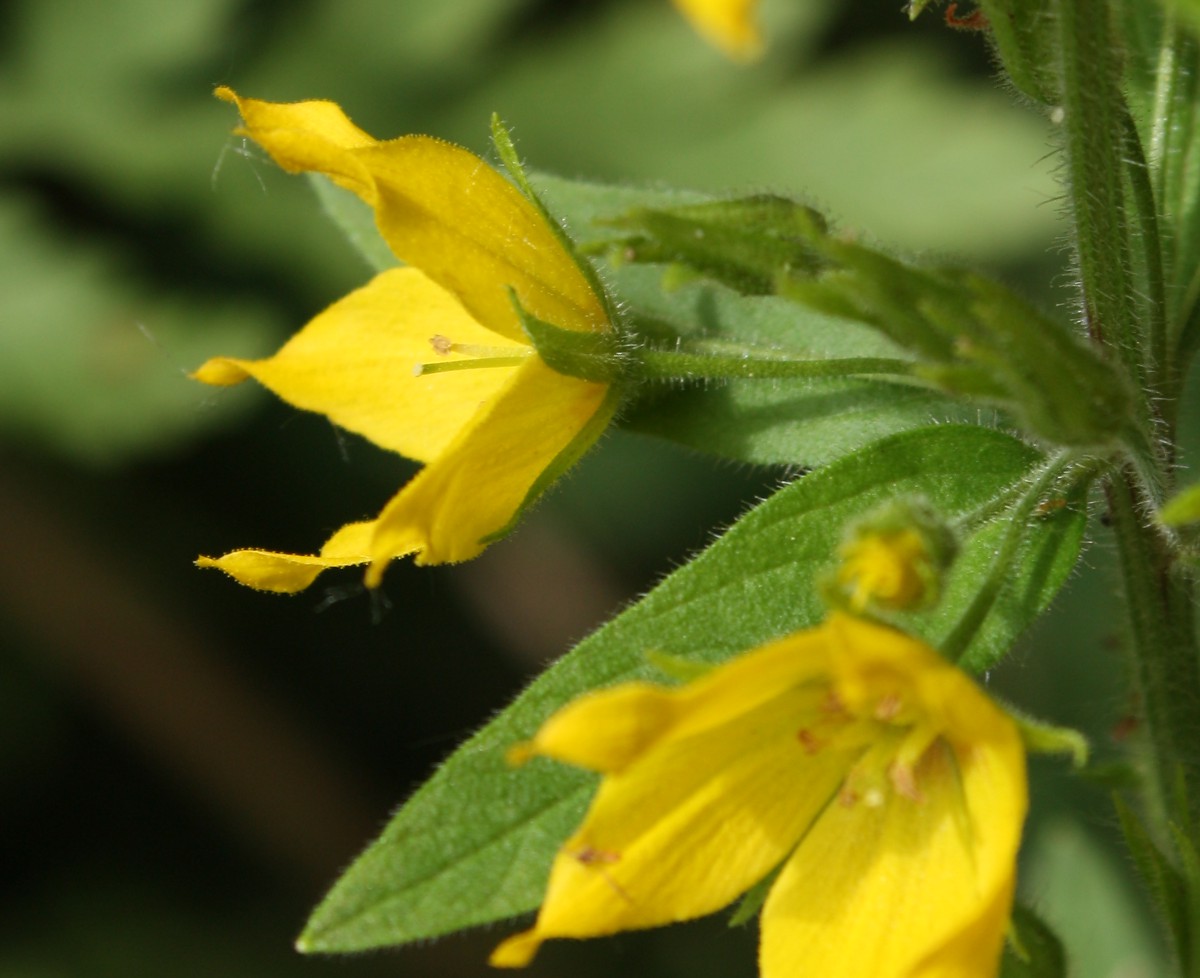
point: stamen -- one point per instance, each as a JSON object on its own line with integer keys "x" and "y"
{"x": 443, "y": 346}
{"x": 439, "y": 368}
{"x": 904, "y": 780}
{"x": 888, "y": 707}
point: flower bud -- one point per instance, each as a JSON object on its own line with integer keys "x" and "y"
{"x": 894, "y": 558}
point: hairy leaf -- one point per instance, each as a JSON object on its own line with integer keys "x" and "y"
{"x": 475, "y": 843}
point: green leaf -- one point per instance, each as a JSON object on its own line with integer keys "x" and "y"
{"x": 790, "y": 422}
{"x": 793, "y": 422}
{"x": 475, "y": 843}
{"x": 1168, "y": 891}
{"x": 1182, "y": 508}
{"x": 1025, "y": 36}
{"x": 1165, "y": 86}
{"x": 1033, "y": 949}
{"x": 356, "y": 221}
{"x": 974, "y": 338}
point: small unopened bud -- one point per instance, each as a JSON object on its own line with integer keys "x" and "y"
{"x": 895, "y": 558}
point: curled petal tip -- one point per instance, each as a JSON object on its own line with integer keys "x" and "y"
{"x": 517, "y": 951}
{"x": 220, "y": 372}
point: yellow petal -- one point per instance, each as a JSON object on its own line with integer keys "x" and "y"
{"x": 355, "y": 363}
{"x": 516, "y": 951}
{"x": 441, "y": 209}
{"x": 865, "y": 657}
{"x": 266, "y": 570}
{"x": 907, "y": 888}
{"x": 719, "y": 795}
{"x": 476, "y": 486}
{"x": 634, "y": 716}
{"x": 729, "y": 24}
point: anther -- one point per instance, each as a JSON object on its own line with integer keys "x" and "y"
{"x": 904, "y": 780}
{"x": 809, "y": 741}
{"x": 596, "y": 857}
{"x": 888, "y": 707}
{"x": 832, "y": 704}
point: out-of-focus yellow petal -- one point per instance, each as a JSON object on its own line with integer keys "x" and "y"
{"x": 690, "y": 824}
{"x": 638, "y": 716}
{"x": 867, "y": 657}
{"x": 266, "y": 570}
{"x": 891, "y": 890}
{"x": 441, "y": 209}
{"x": 477, "y": 485}
{"x": 916, "y": 885}
{"x": 355, "y": 363}
{"x": 729, "y": 24}
{"x": 516, "y": 951}
{"x": 890, "y": 787}
{"x": 708, "y": 787}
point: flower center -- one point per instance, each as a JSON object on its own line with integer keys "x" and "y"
{"x": 474, "y": 356}
{"x": 888, "y": 738}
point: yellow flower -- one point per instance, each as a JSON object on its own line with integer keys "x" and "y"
{"x": 893, "y": 569}
{"x": 385, "y": 361}
{"x": 888, "y": 789}
{"x": 729, "y": 24}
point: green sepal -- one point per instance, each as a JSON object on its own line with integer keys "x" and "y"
{"x": 1033, "y": 950}
{"x": 975, "y": 338}
{"x": 1167, "y": 886}
{"x": 1023, "y": 32}
{"x": 753, "y": 899}
{"x": 979, "y": 340}
{"x": 1044, "y": 738}
{"x": 595, "y": 356}
{"x": 507, "y": 151}
{"x": 801, "y": 422}
{"x": 747, "y": 243}
{"x": 1025, "y": 35}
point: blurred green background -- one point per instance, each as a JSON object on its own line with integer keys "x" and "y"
{"x": 185, "y": 764}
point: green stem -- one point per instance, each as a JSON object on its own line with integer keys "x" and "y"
{"x": 1092, "y": 122}
{"x": 685, "y": 363}
{"x": 1160, "y": 375}
{"x": 1162, "y": 639}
